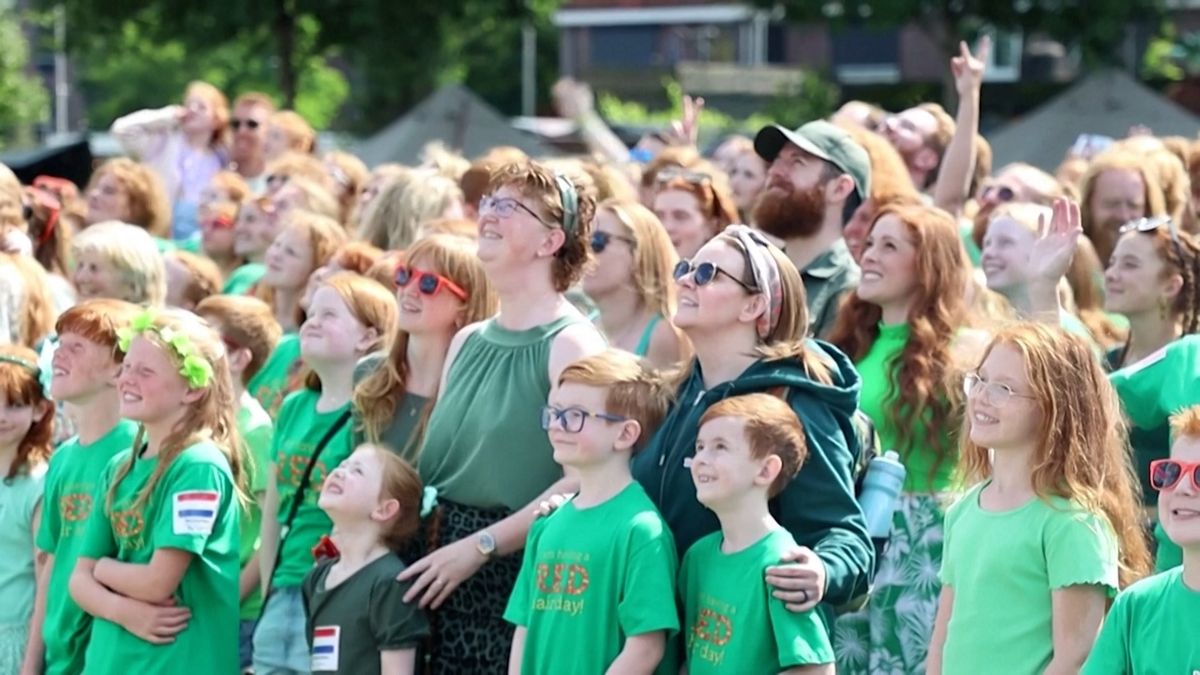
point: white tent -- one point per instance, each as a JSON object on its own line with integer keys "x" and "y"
{"x": 1107, "y": 102}
{"x": 453, "y": 115}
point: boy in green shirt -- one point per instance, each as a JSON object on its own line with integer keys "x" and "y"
{"x": 250, "y": 332}
{"x": 1151, "y": 627}
{"x": 596, "y": 587}
{"x": 85, "y": 366}
{"x": 747, "y": 450}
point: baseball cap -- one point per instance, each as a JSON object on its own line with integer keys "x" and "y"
{"x": 820, "y": 139}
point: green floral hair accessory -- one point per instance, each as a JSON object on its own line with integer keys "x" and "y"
{"x": 193, "y": 367}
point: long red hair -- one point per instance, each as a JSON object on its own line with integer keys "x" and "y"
{"x": 21, "y": 386}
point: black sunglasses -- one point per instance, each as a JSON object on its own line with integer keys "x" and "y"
{"x": 237, "y": 123}
{"x": 601, "y": 240}
{"x": 1003, "y": 192}
{"x": 704, "y": 273}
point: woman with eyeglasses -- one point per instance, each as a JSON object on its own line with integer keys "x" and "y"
{"x": 631, "y": 283}
{"x": 905, "y": 329}
{"x": 484, "y": 449}
{"x": 693, "y": 205}
{"x": 440, "y": 288}
{"x": 742, "y": 306}
{"x": 185, "y": 145}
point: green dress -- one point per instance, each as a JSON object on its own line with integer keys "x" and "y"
{"x": 19, "y": 498}
{"x": 891, "y": 634}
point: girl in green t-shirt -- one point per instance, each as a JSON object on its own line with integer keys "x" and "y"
{"x": 902, "y": 328}
{"x": 1034, "y": 552}
{"x": 441, "y": 287}
{"x": 350, "y": 316}
{"x": 165, "y": 528}
{"x": 26, "y": 419}
{"x": 357, "y": 620}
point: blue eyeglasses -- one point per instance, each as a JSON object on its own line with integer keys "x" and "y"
{"x": 571, "y": 419}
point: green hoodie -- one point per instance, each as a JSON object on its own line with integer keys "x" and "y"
{"x": 818, "y": 507}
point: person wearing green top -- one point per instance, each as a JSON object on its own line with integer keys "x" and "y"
{"x": 164, "y": 529}
{"x": 1151, "y": 627}
{"x": 85, "y": 368}
{"x": 747, "y": 449}
{"x": 904, "y": 328}
{"x": 1036, "y": 550}
{"x": 440, "y": 287}
{"x": 243, "y": 279}
{"x": 349, "y": 317}
{"x": 280, "y": 375}
{"x": 484, "y": 450}
{"x": 597, "y": 584}
{"x": 250, "y": 333}
{"x": 253, "y": 231}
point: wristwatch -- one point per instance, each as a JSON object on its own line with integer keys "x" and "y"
{"x": 486, "y": 544}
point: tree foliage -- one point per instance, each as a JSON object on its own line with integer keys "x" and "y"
{"x": 23, "y": 98}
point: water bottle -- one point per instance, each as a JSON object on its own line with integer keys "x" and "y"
{"x": 881, "y": 489}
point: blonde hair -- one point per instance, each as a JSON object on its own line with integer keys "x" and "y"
{"x": 26, "y": 309}
{"x": 393, "y": 218}
{"x": 444, "y": 161}
{"x": 634, "y": 390}
{"x": 369, "y": 303}
{"x": 149, "y": 207}
{"x": 131, "y": 251}
{"x": 298, "y": 132}
{"x": 212, "y": 418}
{"x": 219, "y": 106}
{"x": 378, "y": 396}
{"x": 771, "y": 428}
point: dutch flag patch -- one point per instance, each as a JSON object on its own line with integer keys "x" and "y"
{"x": 194, "y": 511}
{"x": 325, "y": 648}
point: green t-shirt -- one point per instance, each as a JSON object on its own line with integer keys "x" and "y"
{"x": 734, "y": 622}
{"x": 242, "y": 279}
{"x": 348, "y": 625}
{"x": 256, "y": 429}
{"x": 70, "y": 486}
{"x": 877, "y": 399}
{"x": 193, "y": 508}
{"x": 279, "y": 376}
{"x": 397, "y": 435}
{"x": 1004, "y": 566}
{"x": 591, "y": 578}
{"x": 297, "y": 431}
{"x": 1169, "y": 554}
{"x": 484, "y": 445}
{"x": 19, "y": 498}
{"x": 1150, "y": 630}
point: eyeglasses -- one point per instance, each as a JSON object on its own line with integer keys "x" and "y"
{"x": 673, "y": 172}
{"x": 601, "y": 240}
{"x": 429, "y": 283}
{"x": 504, "y": 207}
{"x": 237, "y": 123}
{"x": 704, "y": 273}
{"x": 571, "y": 420}
{"x": 998, "y": 393}
{"x": 1003, "y": 192}
{"x": 1166, "y": 473}
{"x": 1146, "y": 225}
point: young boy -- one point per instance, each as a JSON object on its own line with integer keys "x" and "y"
{"x": 250, "y": 332}
{"x": 1151, "y": 627}
{"x": 596, "y": 588}
{"x": 747, "y": 450}
{"x": 85, "y": 366}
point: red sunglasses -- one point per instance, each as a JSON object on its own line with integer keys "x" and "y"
{"x": 1166, "y": 473}
{"x": 429, "y": 283}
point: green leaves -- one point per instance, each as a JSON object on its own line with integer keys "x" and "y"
{"x": 193, "y": 367}
{"x": 23, "y": 100}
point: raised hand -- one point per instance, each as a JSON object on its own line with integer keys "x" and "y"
{"x": 686, "y": 129}
{"x": 1051, "y": 255}
{"x": 967, "y": 69}
{"x": 573, "y": 99}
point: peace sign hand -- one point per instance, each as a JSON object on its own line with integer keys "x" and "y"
{"x": 686, "y": 130}
{"x": 967, "y": 69}
{"x": 1051, "y": 255}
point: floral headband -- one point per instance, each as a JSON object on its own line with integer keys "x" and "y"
{"x": 194, "y": 368}
{"x": 767, "y": 278}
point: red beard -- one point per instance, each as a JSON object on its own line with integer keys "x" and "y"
{"x": 787, "y": 213}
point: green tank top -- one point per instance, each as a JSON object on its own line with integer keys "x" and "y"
{"x": 484, "y": 446}
{"x": 875, "y": 400}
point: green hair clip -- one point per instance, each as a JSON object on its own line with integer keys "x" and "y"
{"x": 193, "y": 366}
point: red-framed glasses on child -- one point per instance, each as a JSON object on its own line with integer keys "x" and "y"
{"x": 1166, "y": 473}
{"x": 429, "y": 283}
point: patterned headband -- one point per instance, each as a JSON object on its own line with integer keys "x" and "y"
{"x": 766, "y": 275}
{"x": 570, "y": 202}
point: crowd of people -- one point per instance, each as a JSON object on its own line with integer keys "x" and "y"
{"x": 265, "y": 409}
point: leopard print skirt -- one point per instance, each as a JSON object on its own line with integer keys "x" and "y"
{"x": 469, "y": 633}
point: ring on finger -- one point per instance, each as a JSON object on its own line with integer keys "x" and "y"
{"x": 803, "y": 596}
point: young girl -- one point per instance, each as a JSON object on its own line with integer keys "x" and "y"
{"x": 357, "y": 620}
{"x": 350, "y": 316}
{"x": 1034, "y": 552}
{"x": 119, "y": 261}
{"x": 631, "y": 283}
{"x": 254, "y": 228}
{"x": 26, "y": 418}
{"x": 903, "y": 327}
{"x": 397, "y": 391}
{"x": 158, "y": 564}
